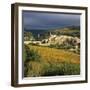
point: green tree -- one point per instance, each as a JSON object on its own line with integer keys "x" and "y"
{"x": 28, "y": 36}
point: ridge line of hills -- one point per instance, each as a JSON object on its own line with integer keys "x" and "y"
{"x": 68, "y": 30}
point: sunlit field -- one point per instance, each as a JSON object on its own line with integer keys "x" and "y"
{"x": 46, "y": 61}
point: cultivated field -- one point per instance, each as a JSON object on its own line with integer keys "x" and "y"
{"x": 46, "y": 61}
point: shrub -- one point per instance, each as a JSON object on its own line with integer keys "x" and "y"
{"x": 62, "y": 69}
{"x": 29, "y": 55}
{"x": 62, "y": 46}
{"x": 36, "y": 69}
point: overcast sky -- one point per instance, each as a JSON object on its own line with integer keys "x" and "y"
{"x": 39, "y": 20}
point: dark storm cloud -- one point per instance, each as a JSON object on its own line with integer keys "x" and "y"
{"x": 38, "y": 20}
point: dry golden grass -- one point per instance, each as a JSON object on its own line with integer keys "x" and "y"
{"x": 52, "y": 55}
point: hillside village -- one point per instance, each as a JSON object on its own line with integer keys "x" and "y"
{"x": 67, "y": 42}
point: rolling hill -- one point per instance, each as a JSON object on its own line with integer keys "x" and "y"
{"x": 40, "y": 34}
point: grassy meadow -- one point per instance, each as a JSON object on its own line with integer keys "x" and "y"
{"x": 46, "y": 61}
